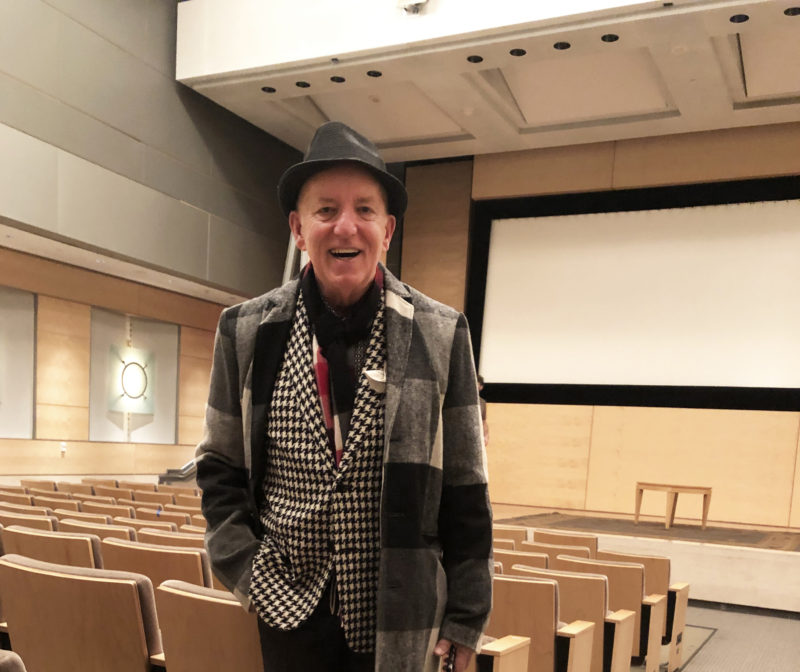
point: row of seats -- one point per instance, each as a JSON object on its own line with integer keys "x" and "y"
{"x": 629, "y": 599}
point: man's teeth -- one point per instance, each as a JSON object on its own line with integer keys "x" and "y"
{"x": 344, "y": 252}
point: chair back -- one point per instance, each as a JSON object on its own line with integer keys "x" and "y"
{"x": 75, "y": 619}
{"x": 153, "y": 497}
{"x": 37, "y": 483}
{"x": 509, "y": 558}
{"x": 53, "y": 494}
{"x": 189, "y": 500}
{"x": 581, "y": 597}
{"x": 136, "y": 485}
{"x": 97, "y": 518}
{"x": 553, "y": 550}
{"x": 54, "y": 503}
{"x": 63, "y": 548}
{"x": 656, "y": 569}
{"x": 139, "y": 523}
{"x": 515, "y": 532}
{"x": 194, "y": 620}
{"x": 35, "y": 522}
{"x": 102, "y": 530}
{"x": 529, "y": 608}
{"x": 116, "y": 493}
{"x": 16, "y": 498}
{"x": 107, "y": 482}
{"x": 11, "y": 662}
{"x": 75, "y": 488}
{"x": 567, "y": 538}
{"x": 153, "y": 536}
{"x": 149, "y": 513}
{"x": 28, "y": 510}
{"x": 157, "y": 561}
{"x": 179, "y": 489}
{"x": 108, "y": 509}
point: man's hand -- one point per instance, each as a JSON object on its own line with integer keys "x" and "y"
{"x": 463, "y": 654}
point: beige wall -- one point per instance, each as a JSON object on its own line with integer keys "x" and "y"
{"x": 65, "y": 295}
{"x": 584, "y": 457}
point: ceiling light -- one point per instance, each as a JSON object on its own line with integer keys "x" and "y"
{"x": 475, "y": 58}
{"x": 374, "y": 73}
{"x": 517, "y": 52}
{"x": 302, "y": 84}
{"x": 609, "y": 37}
{"x": 268, "y": 89}
{"x": 739, "y": 18}
{"x": 337, "y": 79}
{"x": 561, "y": 46}
{"x": 792, "y": 11}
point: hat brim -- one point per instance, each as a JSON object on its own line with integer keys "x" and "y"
{"x": 295, "y": 177}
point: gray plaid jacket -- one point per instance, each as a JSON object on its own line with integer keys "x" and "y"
{"x": 435, "y": 561}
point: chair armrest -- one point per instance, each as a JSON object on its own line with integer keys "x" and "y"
{"x": 158, "y": 660}
{"x": 677, "y": 602}
{"x": 618, "y": 640}
{"x": 509, "y": 653}
{"x": 574, "y": 647}
{"x": 654, "y": 611}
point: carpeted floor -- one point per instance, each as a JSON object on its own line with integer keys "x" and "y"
{"x": 781, "y": 541}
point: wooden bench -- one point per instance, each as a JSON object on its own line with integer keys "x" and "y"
{"x": 672, "y": 499}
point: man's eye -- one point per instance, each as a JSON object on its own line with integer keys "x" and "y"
{"x": 366, "y": 211}
{"x": 325, "y": 210}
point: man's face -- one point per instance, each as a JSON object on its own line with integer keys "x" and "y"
{"x": 341, "y": 221}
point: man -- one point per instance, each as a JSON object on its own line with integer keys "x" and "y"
{"x": 342, "y": 467}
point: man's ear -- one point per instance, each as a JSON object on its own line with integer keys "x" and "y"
{"x": 297, "y": 230}
{"x": 391, "y": 222}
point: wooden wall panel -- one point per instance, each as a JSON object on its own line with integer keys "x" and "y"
{"x": 436, "y": 230}
{"x": 551, "y": 170}
{"x": 197, "y": 351}
{"x": 794, "y": 514}
{"x": 190, "y": 430}
{"x": 23, "y": 457}
{"x": 62, "y": 423}
{"x": 197, "y": 343}
{"x": 747, "y": 457}
{"x": 42, "y": 276}
{"x": 730, "y": 154}
{"x": 538, "y": 454}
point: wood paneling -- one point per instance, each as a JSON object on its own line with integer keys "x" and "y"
{"x": 197, "y": 343}
{"x": 552, "y": 170}
{"x": 436, "y": 230}
{"x": 23, "y": 457}
{"x": 538, "y": 454}
{"x": 730, "y": 154}
{"x": 190, "y": 430}
{"x": 62, "y": 423}
{"x": 794, "y": 516}
{"x": 42, "y": 276}
{"x": 747, "y": 457}
{"x": 193, "y": 386}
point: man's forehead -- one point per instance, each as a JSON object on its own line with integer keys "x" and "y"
{"x": 330, "y": 183}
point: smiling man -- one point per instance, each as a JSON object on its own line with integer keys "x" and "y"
{"x": 342, "y": 467}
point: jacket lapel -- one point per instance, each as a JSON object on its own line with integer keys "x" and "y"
{"x": 399, "y": 327}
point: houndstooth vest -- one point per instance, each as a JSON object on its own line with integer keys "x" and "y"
{"x": 316, "y": 518}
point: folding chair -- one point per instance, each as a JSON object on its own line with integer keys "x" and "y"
{"x": 102, "y": 530}
{"x": 35, "y": 522}
{"x": 509, "y": 558}
{"x": 566, "y": 538}
{"x": 63, "y": 548}
{"x": 158, "y": 562}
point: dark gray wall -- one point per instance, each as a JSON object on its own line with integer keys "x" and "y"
{"x": 101, "y": 147}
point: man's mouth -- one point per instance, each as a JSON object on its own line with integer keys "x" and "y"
{"x": 344, "y": 252}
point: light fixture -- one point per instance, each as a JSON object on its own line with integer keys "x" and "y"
{"x": 130, "y": 380}
{"x": 134, "y": 379}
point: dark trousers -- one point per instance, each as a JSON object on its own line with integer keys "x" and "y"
{"x": 318, "y": 645}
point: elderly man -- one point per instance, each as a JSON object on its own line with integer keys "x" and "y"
{"x": 342, "y": 468}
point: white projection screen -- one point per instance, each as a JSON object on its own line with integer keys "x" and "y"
{"x": 698, "y": 296}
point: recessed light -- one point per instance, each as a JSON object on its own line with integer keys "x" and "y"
{"x": 609, "y": 37}
{"x": 561, "y": 46}
{"x": 374, "y": 73}
{"x": 517, "y": 52}
{"x": 337, "y": 79}
{"x": 792, "y": 11}
{"x": 739, "y": 18}
{"x": 301, "y": 84}
{"x": 475, "y": 58}
{"x": 268, "y": 89}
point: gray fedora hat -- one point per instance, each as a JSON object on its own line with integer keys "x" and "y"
{"x": 335, "y": 142}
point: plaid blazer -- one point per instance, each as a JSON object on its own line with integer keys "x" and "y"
{"x": 435, "y": 571}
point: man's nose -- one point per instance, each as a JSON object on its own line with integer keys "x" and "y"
{"x": 345, "y": 223}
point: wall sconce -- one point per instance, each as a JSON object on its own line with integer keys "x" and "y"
{"x": 130, "y": 380}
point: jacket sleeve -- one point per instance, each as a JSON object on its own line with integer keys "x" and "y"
{"x": 465, "y": 519}
{"x": 231, "y": 537}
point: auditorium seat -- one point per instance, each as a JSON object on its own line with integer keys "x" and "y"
{"x": 136, "y": 485}
{"x": 188, "y": 500}
{"x": 529, "y": 607}
{"x": 194, "y": 621}
{"x": 16, "y": 498}
{"x": 116, "y": 493}
{"x": 53, "y": 503}
{"x": 626, "y": 591}
{"x": 157, "y": 561}
{"x": 109, "y": 509}
{"x": 553, "y": 550}
{"x": 505, "y": 654}
{"x": 509, "y": 558}
{"x": 75, "y": 488}
{"x": 98, "y": 499}
{"x": 97, "y": 518}
{"x": 584, "y": 597}
{"x": 26, "y": 509}
{"x": 165, "y": 538}
{"x": 178, "y": 489}
{"x": 515, "y": 532}
{"x": 34, "y": 522}
{"x": 191, "y": 510}
{"x": 566, "y": 538}
{"x": 148, "y": 513}
{"x": 657, "y": 581}
{"x": 63, "y": 548}
{"x": 11, "y": 662}
{"x": 107, "y": 482}
{"x": 153, "y": 497}
{"x": 37, "y": 483}
{"x": 117, "y": 628}
{"x": 138, "y": 524}
{"x": 505, "y": 544}
{"x": 102, "y": 530}
{"x": 198, "y": 520}
{"x": 52, "y": 494}
{"x": 17, "y": 489}
{"x": 193, "y": 529}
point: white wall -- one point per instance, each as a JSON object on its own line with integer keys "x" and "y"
{"x": 16, "y": 363}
